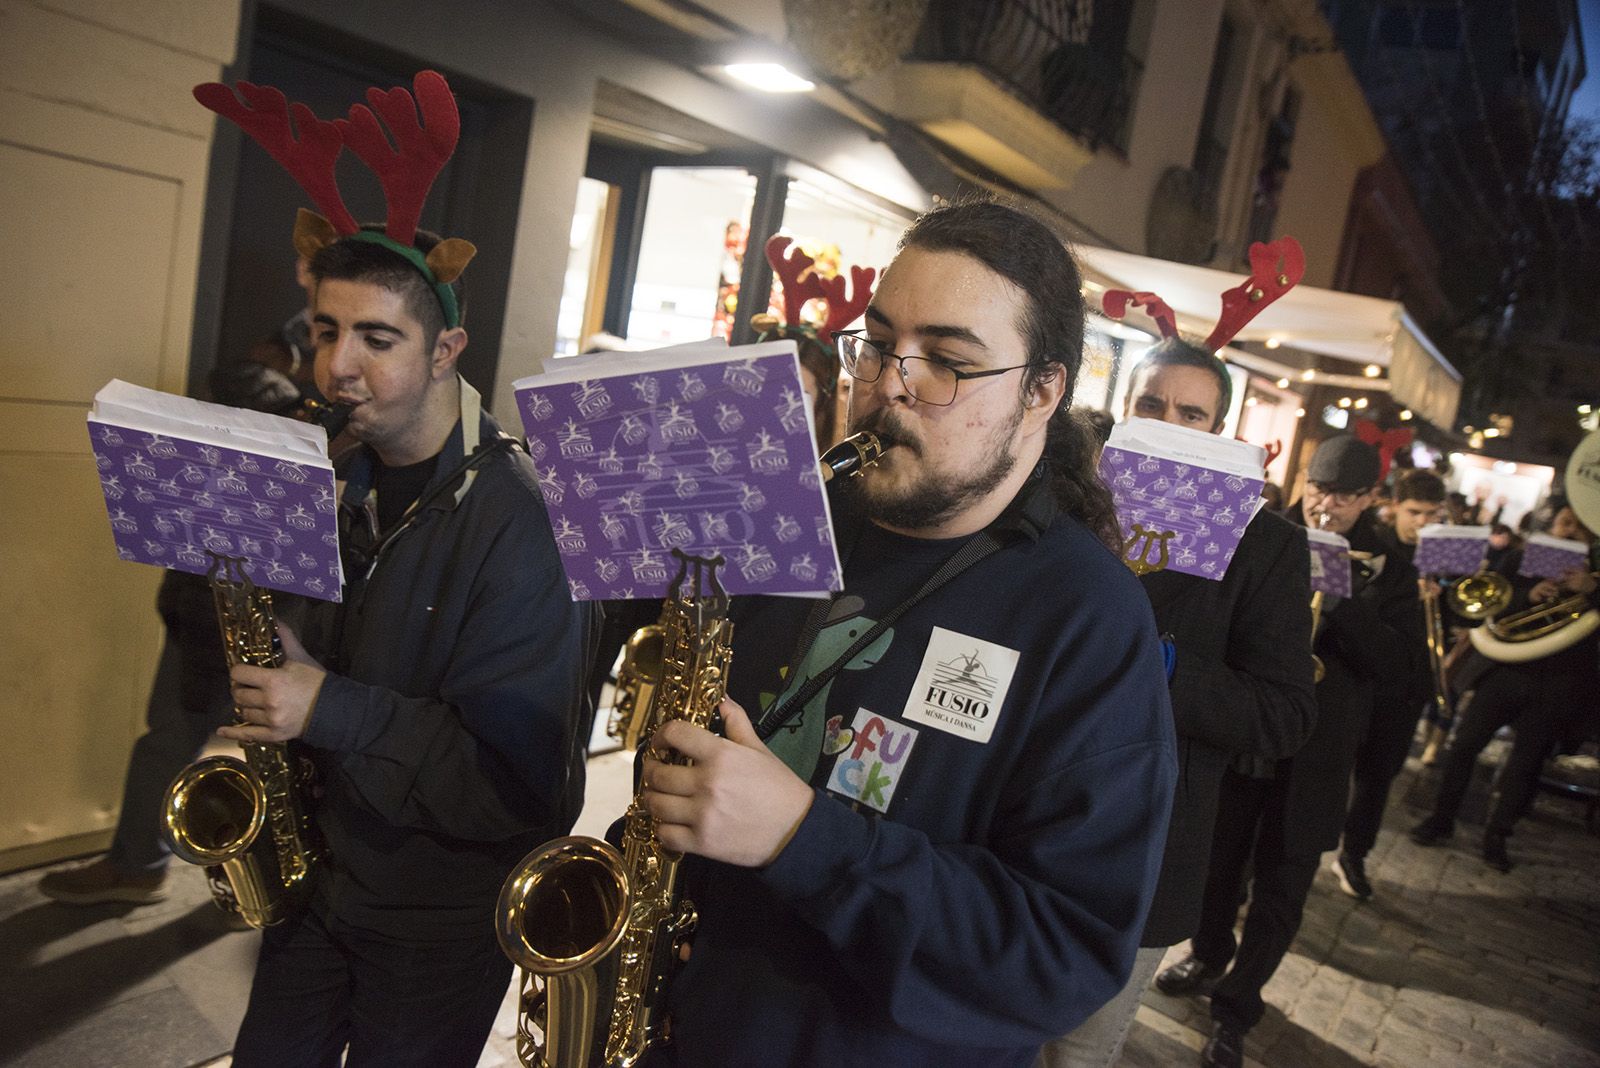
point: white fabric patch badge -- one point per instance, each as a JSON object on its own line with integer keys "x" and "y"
{"x": 870, "y": 768}
{"x": 961, "y": 685}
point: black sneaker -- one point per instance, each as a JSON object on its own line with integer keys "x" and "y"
{"x": 1352, "y": 873}
{"x": 1494, "y": 851}
{"x": 1225, "y": 1048}
{"x": 1190, "y": 975}
{"x": 1431, "y": 831}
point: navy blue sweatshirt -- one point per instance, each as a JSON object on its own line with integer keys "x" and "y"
{"x": 993, "y": 781}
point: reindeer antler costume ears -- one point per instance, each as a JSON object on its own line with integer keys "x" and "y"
{"x": 1275, "y": 269}
{"x": 406, "y": 168}
{"x": 801, "y": 283}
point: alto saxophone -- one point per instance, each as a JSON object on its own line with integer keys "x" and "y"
{"x": 597, "y": 930}
{"x": 247, "y": 821}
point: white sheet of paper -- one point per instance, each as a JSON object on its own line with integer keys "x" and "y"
{"x": 127, "y": 405}
{"x": 1156, "y": 438}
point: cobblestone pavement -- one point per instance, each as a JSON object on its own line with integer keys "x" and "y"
{"x": 1451, "y": 964}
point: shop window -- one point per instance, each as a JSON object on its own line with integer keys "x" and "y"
{"x": 690, "y": 254}
{"x": 583, "y": 292}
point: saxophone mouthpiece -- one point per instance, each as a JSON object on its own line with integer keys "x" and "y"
{"x": 852, "y": 455}
{"x": 330, "y": 417}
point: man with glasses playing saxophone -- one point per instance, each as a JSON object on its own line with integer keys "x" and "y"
{"x": 944, "y": 854}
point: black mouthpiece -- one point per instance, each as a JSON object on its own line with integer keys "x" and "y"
{"x": 330, "y": 417}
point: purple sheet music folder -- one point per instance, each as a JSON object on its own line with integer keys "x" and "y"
{"x": 183, "y": 478}
{"x": 701, "y": 448}
{"x": 1450, "y": 550}
{"x": 1552, "y": 558}
{"x": 1196, "y": 491}
{"x": 1330, "y": 563}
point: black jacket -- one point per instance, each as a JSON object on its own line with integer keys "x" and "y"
{"x": 451, "y": 735}
{"x": 1366, "y": 641}
{"x": 1242, "y": 685}
{"x": 1404, "y": 695}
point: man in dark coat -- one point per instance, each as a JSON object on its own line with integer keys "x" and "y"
{"x": 1241, "y": 683}
{"x": 1398, "y": 700}
{"x": 1275, "y": 819}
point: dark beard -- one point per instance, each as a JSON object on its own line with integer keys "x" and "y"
{"x": 939, "y": 498}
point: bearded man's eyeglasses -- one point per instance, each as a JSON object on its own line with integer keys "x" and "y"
{"x": 928, "y": 381}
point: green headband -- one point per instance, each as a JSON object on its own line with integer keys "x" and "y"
{"x": 413, "y": 256}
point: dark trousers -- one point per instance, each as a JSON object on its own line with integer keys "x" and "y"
{"x": 189, "y": 700}
{"x": 1250, "y": 820}
{"x": 1378, "y": 760}
{"x": 320, "y": 985}
{"x": 1536, "y": 704}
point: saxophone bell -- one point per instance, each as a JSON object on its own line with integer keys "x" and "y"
{"x": 247, "y": 821}
{"x": 597, "y": 930}
{"x": 213, "y": 816}
{"x": 560, "y": 916}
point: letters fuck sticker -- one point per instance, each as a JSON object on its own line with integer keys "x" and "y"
{"x": 961, "y": 685}
{"x": 870, "y": 768}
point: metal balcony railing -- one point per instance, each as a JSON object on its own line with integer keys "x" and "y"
{"x": 1067, "y": 59}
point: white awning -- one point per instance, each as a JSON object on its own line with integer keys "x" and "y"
{"x": 1363, "y": 330}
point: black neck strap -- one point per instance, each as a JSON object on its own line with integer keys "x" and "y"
{"x": 976, "y": 548}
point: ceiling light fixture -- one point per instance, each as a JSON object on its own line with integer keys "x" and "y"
{"x": 768, "y": 77}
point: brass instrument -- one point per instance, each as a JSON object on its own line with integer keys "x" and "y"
{"x": 637, "y": 680}
{"x": 597, "y": 931}
{"x": 1319, "y": 670}
{"x": 1537, "y": 632}
{"x": 1478, "y": 596}
{"x": 1433, "y": 616}
{"x": 247, "y": 821}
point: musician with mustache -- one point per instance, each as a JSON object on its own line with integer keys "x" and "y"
{"x": 932, "y": 830}
{"x": 1241, "y": 681}
{"x": 1275, "y": 818}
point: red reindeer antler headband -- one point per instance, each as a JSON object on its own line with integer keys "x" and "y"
{"x": 1275, "y": 269}
{"x": 406, "y": 169}
{"x": 801, "y": 283}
